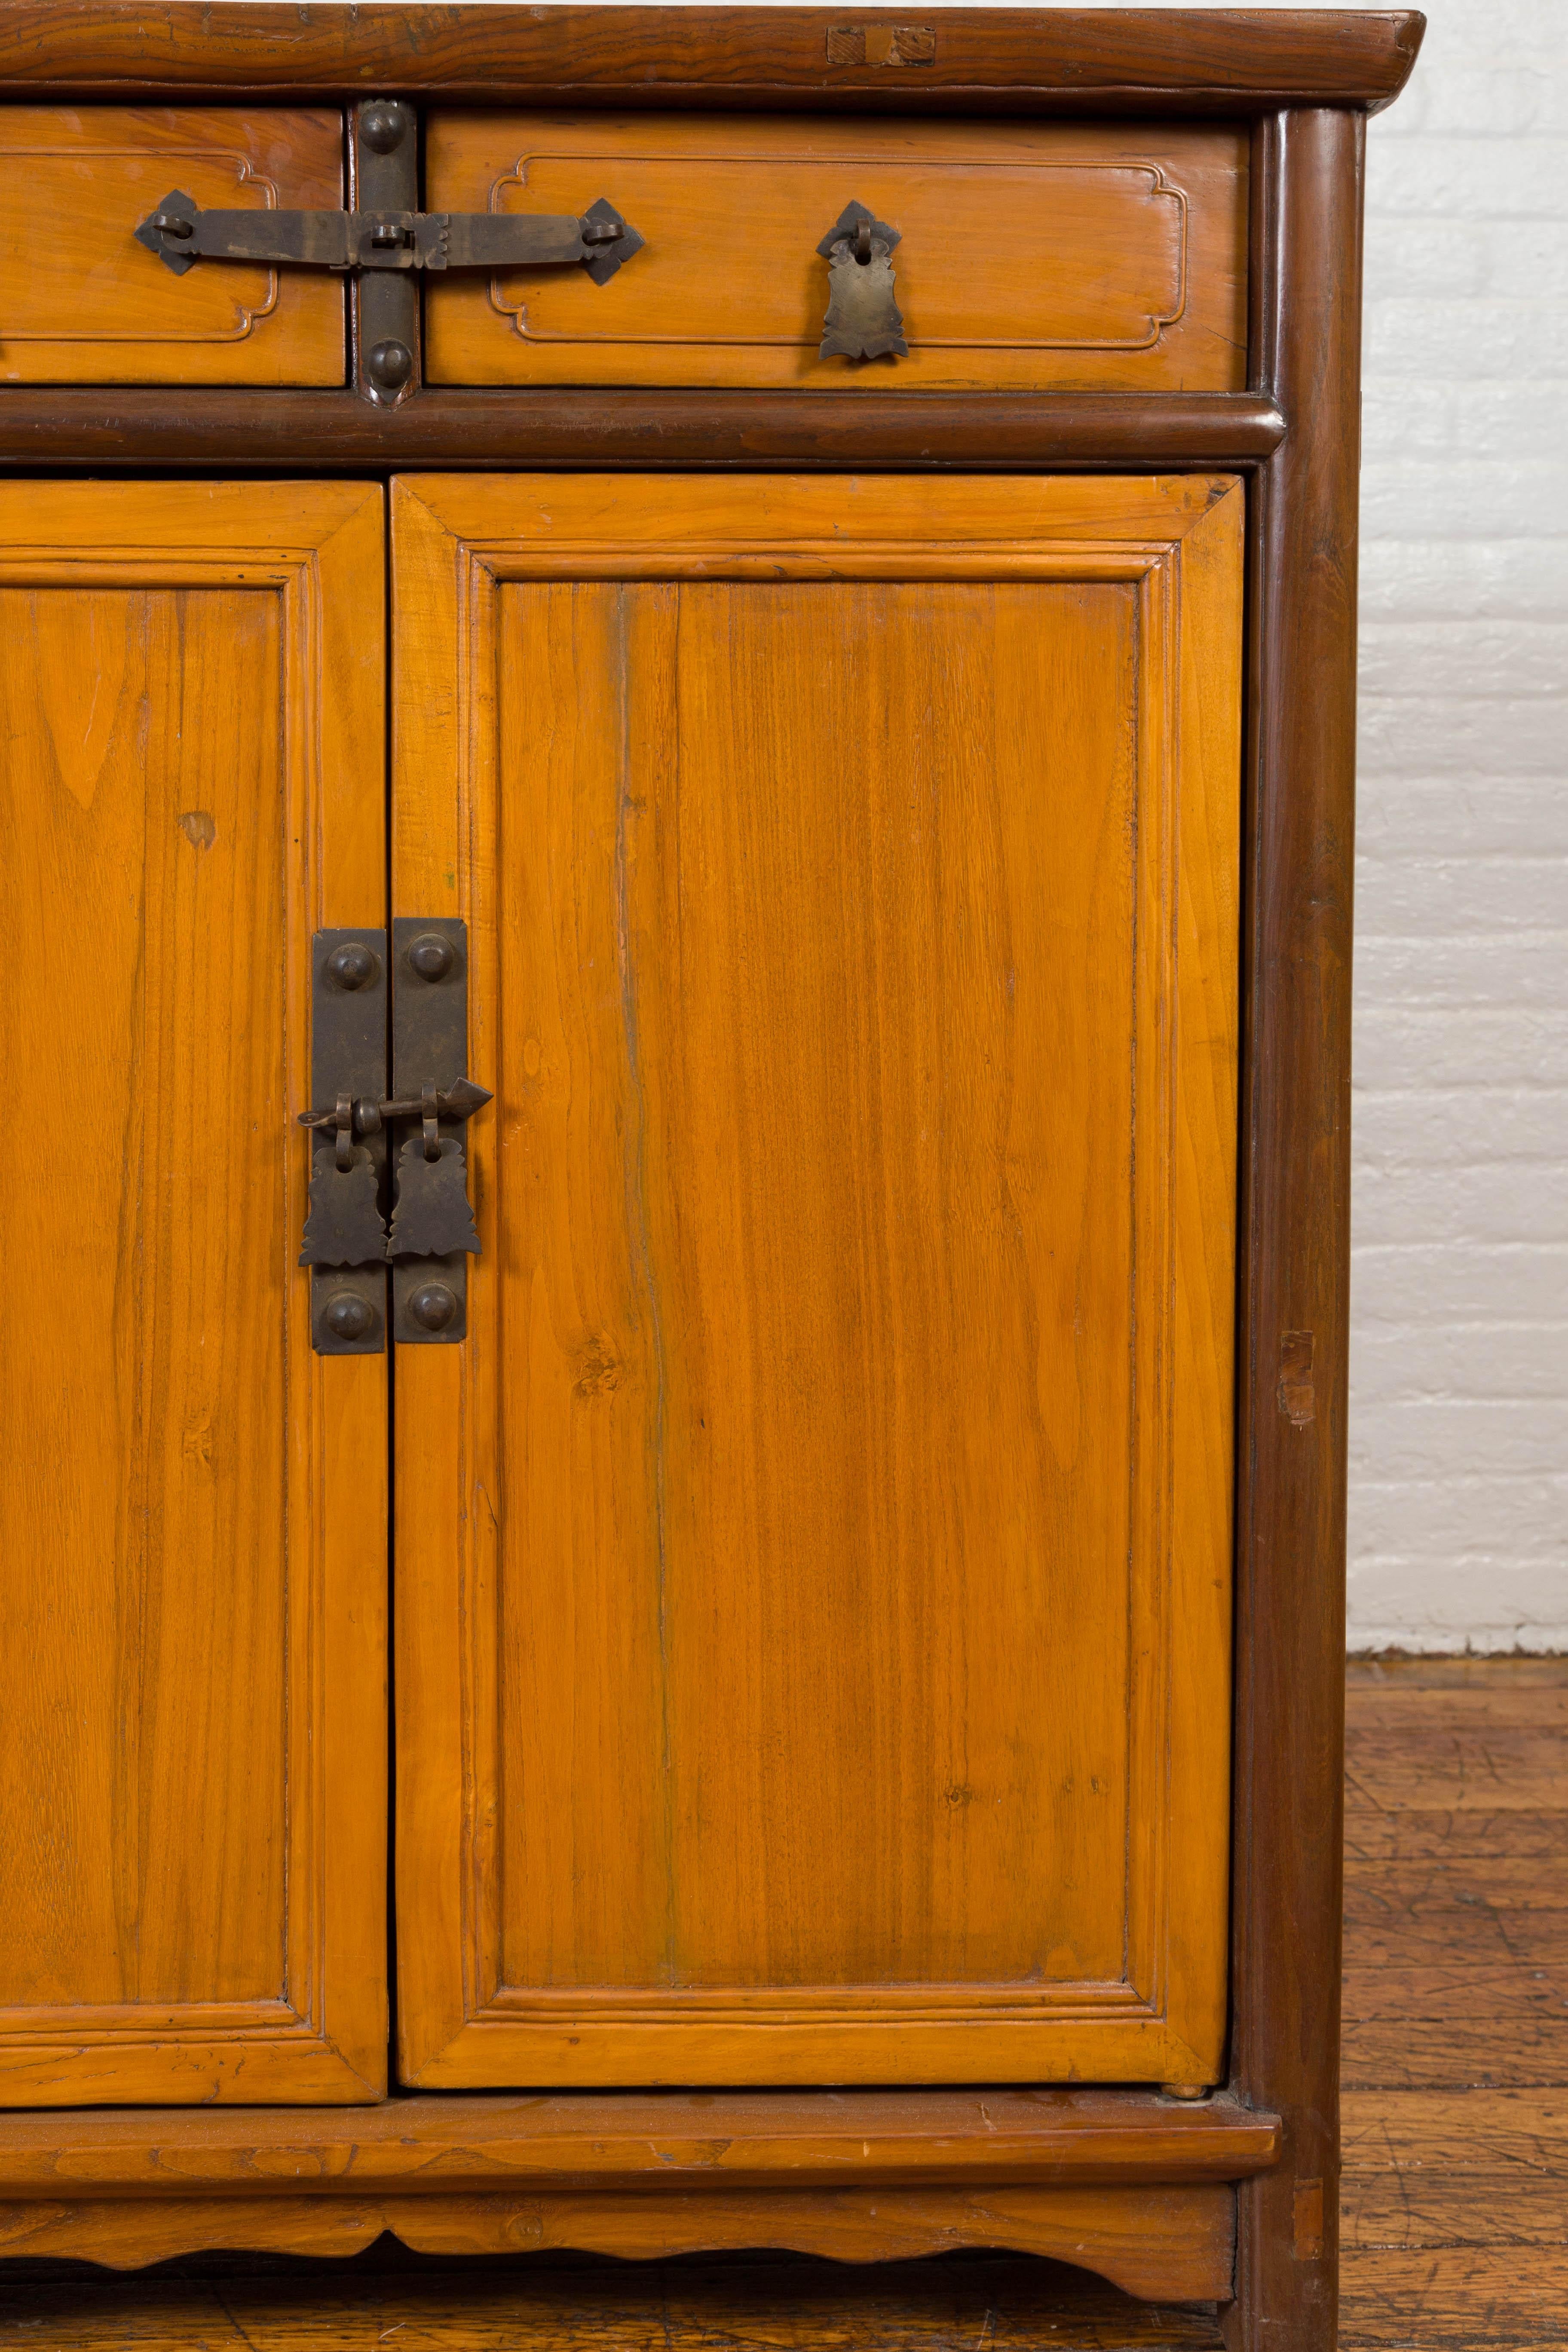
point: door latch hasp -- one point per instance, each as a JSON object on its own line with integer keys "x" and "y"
{"x": 369, "y": 1211}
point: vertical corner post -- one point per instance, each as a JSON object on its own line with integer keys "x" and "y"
{"x": 1295, "y": 1228}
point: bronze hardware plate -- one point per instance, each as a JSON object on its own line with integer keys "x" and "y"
{"x": 863, "y": 320}
{"x": 348, "y": 1060}
{"x": 430, "y": 1051}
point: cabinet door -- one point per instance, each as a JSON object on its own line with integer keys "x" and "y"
{"x": 192, "y": 1503}
{"x": 814, "y": 1567}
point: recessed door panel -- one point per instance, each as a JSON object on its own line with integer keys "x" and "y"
{"x": 192, "y": 1504}
{"x": 816, "y": 1560}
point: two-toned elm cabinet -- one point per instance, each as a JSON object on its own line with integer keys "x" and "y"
{"x": 677, "y": 805}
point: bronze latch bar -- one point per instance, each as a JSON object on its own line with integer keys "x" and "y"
{"x": 367, "y": 1117}
{"x": 182, "y": 234}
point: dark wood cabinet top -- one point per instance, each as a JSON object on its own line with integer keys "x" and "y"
{"x": 971, "y": 60}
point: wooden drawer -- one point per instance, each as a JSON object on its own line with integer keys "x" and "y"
{"x": 1031, "y": 255}
{"x": 85, "y": 303}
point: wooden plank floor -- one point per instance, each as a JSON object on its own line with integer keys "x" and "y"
{"x": 1455, "y": 2214}
{"x": 1456, "y": 2201}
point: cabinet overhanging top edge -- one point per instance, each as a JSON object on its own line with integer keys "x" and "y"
{"x": 986, "y": 59}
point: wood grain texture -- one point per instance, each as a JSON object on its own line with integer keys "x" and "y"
{"x": 1454, "y": 2298}
{"x": 1466, "y": 1751}
{"x": 192, "y": 1627}
{"x": 1515, "y": 2141}
{"x": 767, "y": 1712}
{"x": 1408, "y": 1860}
{"x": 1147, "y": 237}
{"x": 1455, "y": 1866}
{"x": 1294, "y": 1252}
{"x": 1158, "y": 2243}
{"x": 1081, "y": 61}
{"x": 738, "y": 2304}
{"x": 1454, "y": 2203}
{"x": 1386, "y": 2052}
{"x": 982, "y": 433}
{"x": 795, "y": 2139}
{"x": 1466, "y": 2209}
{"x": 1455, "y": 2056}
{"x": 1405, "y": 1680}
{"x": 102, "y": 308}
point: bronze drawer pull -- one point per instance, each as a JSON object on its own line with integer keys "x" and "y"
{"x": 863, "y": 320}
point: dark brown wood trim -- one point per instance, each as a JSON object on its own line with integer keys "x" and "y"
{"x": 1290, "y": 1686}
{"x": 638, "y": 2139}
{"x": 1059, "y": 61}
{"x": 55, "y": 426}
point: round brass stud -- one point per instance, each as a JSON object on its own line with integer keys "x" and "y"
{"x": 347, "y": 1315}
{"x": 352, "y": 966}
{"x": 432, "y": 956}
{"x": 389, "y": 365}
{"x": 433, "y": 1306}
{"x": 383, "y": 125}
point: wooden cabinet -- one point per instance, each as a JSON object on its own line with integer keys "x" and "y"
{"x": 832, "y": 1615}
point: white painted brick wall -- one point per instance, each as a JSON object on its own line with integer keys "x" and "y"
{"x": 1459, "y": 1330}
{"x": 1459, "y": 1507}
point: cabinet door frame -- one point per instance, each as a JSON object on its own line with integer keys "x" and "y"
{"x": 319, "y": 548}
{"x": 455, "y": 540}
